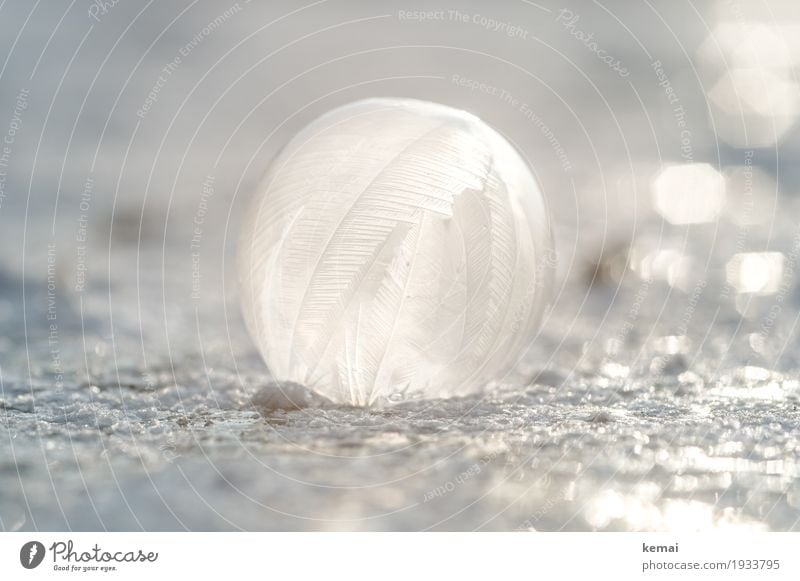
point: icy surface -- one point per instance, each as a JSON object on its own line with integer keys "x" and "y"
{"x": 659, "y": 432}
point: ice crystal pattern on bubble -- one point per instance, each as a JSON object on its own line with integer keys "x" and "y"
{"x": 395, "y": 249}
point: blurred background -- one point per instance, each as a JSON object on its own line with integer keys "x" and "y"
{"x": 660, "y": 394}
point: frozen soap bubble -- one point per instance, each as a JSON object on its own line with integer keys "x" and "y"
{"x": 395, "y": 249}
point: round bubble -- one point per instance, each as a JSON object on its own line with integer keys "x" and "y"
{"x": 395, "y": 249}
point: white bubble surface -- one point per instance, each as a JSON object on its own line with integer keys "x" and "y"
{"x": 395, "y": 249}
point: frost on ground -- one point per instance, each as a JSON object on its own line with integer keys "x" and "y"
{"x": 165, "y": 424}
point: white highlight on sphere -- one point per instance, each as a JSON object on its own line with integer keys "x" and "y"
{"x": 395, "y": 249}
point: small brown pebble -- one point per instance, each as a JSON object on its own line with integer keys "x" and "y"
{"x": 287, "y": 396}
{"x": 601, "y": 417}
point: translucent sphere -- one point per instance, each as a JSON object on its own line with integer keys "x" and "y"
{"x": 395, "y": 249}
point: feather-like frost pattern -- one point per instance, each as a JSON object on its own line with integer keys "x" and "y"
{"x": 420, "y": 179}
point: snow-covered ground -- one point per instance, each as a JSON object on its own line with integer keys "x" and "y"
{"x": 668, "y": 432}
